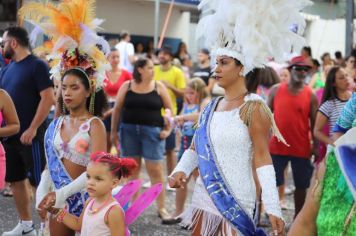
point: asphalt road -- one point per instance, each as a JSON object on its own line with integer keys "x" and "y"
{"x": 148, "y": 224}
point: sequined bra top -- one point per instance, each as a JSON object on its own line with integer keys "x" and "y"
{"x": 78, "y": 148}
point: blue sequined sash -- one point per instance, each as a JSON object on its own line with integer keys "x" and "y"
{"x": 59, "y": 174}
{"x": 214, "y": 182}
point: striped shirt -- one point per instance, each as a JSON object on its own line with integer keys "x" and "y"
{"x": 331, "y": 109}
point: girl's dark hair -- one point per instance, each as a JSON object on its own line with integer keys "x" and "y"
{"x": 100, "y": 102}
{"x": 119, "y": 167}
{"x": 266, "y": 77}
{"x": 315, "y": 62}
{"x": 140, "y": 63}
{"x": 308, "y": 50}
{"x": 330, "y": 89}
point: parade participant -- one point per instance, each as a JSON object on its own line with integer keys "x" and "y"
{"x": 231, "y": 140}
{"x": 12, "y": 126}
{"x": 102, "y": 214}
{"x": 195, "y": 99}
{"x": 112, "y": 83}
{"x": 70, "y": 139}
{"x": 330, "y": 206}
{"x": 27, "y": 81}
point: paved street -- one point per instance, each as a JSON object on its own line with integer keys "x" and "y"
{"x": 147, "y": 224}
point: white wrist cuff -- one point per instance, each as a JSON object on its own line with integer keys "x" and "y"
{"x": 187, "y": 163}
{"x": 44, "y": 186}
{"x": 267, "y": 178}
{"x": 74, "y": 187}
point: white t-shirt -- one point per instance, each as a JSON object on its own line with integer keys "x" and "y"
{"x": 126, "y": 49}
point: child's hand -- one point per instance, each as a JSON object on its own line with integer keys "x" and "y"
{"x": 48, "y": 201}
{"x": 177, "y": 179}
{"x": 164, "y": 134}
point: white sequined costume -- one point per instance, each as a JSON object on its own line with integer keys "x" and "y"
{"x": 232, "y": 145}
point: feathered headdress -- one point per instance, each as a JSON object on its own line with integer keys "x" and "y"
{"x": 252, "y": 31}
{"x": 71, "y": 27}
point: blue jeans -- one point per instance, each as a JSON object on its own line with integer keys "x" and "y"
{"x": 141, "y": 141}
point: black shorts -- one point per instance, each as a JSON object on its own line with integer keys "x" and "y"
{"x": 302, "y": 170}
{"x": 23, "y": 161}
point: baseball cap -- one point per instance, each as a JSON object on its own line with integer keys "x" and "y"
{"x": 299, "y": 61}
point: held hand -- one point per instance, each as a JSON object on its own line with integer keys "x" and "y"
{"x": 179, "y": 120}
{"x": 48, "y": 201}
{"x": 27, "y": 136}
{"x": 177, "y": 179}
{"x": 277, "y": 225}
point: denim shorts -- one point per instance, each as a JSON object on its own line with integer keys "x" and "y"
{"x": 302, "y": 170}
{"x": 141, "y": 141}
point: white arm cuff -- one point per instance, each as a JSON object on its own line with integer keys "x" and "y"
{"x": 74, "y": 187}
{"x": 267, "y": 177}
{"x": 187, "y": 163}
{"x": 44, "y": 186}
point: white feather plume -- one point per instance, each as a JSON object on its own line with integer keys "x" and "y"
{"x": 252, "y": 30}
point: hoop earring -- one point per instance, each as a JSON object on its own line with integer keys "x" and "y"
{"x": 92, "y": 103}
{"x": 63, "y": 108}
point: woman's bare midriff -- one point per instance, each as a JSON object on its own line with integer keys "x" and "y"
{"x": 74, "y": 170}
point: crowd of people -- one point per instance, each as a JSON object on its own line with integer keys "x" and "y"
{"x": 234, "y": 129}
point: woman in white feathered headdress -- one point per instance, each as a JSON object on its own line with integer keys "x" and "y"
{"x": 231, "y": 139}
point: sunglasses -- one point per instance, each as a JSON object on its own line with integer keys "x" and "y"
{"x": 301, "y": 68}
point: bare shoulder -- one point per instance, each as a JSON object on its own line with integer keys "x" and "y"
{"x": 125, "y": 85}
{"x": 97, "y": 124}
{"x": 4, "y": 94}
{"x": 116, "y": 214}
{"x": 160, "y": 85}
{"x": 254, "y": 109}
{"x": 4, "y": 98}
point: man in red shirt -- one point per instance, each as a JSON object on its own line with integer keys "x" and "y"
{"x": 294, "y": 106}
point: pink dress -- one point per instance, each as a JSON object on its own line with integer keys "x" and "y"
{"x": 94, "y": 224}
{"x": 2, "y": 162}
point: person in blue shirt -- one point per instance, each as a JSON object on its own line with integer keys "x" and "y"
{"x": 26, "y": 79}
